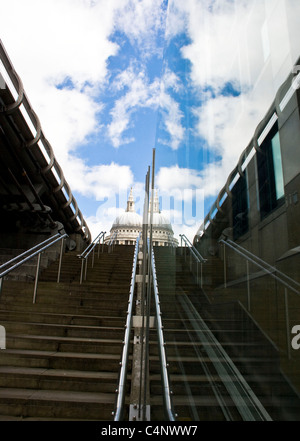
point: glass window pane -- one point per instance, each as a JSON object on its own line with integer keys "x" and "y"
{"x": 279, "y": 185}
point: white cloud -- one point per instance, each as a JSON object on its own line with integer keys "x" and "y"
{"x": 57, "y": 42}
{"x": 141, "y": 93}
{"x": 98, "y": 182}
{"x": 142, "y": 21}
{"x": 236, "y": 43}
{"x": 180, "y": 182}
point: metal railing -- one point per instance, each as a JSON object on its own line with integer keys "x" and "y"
{"x": 85, "y": 254}
{"x": 287, "y": 282}
{"x": 112, "y": 242}
{"x": 248, "y": 405}
{"x": 125, "y": 354}
{"x": 161, "y": 347}
{"x": 195, "y": 259}
{"x": 37, "y": 250}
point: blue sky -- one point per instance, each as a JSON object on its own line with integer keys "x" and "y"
{"x": 111, "y": 80}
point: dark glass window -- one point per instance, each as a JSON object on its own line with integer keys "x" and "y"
{"x": 270, "y": 175}
{"x": 240, "y": 207}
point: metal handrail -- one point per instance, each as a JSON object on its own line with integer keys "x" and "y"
{"x": 91, "y": 246}
{"x": 85, "y": 254}
{"x": 34, "y": 251}
{"x": 269, "y": 270}
{"x": 261, "y": 264}
{"x": 125, "y": 354}
{"x": 15, "y": 259}
{"x": 244, "y": 398}
{"x": 112, "y": 239}
{"x": 193, "y": 249}
{"x": 161, "y": 346}
{"x": 197, "y": 256}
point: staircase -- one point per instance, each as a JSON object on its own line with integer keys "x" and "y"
{"x": 62, "y": 353}
{"x": 199, "y": 394}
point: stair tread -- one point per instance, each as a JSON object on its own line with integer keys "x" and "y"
{"x": 30, "y": 352}
{"x": 56, "y": 395}
{"x": 66, "y": 373}
{"x": 65, "y": 339}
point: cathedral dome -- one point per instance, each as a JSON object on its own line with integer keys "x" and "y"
{"x": 128, "y": 225}
{"x": 161, "y": 221}
{"x": 128, "y": 218}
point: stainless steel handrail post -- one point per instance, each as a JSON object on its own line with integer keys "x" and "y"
{"x": 194, "y": 255}
{"x": 201, "y": 275}
{"x": 287, "y": 322}
{"x": 225, "y": 275}
{"x": 60, "y": 260}
{"x": 85, "y": 254}
{"x": 81, "y": 272}
{"x": 163, "y": 360}
{"x": 93, "y": 257}
{"x": 36, "y": 277}
{"x": 248, "y": 286}
{"x": 86, "y": 265}
{"x": 118, "y": 414}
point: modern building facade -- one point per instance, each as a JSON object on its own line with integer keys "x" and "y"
{"x": 253, "y": 228}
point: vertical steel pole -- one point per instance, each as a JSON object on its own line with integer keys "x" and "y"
{"x": 86, "y": 265}
{"x": 149, "y": 287}
{"x": 144, "y": 273}
{"x": 201, "y": 276}
{"x": 36, "y": 277}
{"x": 225, "y": 275}
{"x": 60, "y": 260}
{"x": 287, "y": 322}
{"x": 81, "y": 273}
{"x": 93, "y": 258}
{"x": 248, "y": 287}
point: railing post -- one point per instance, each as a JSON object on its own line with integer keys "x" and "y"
{"x": 103, "y": 242}
{"x": 248, "y": 287}
{"x": 81, "y": 273}
{"x": 287, "y": 322}
{"x": 85, "y": 269}
{"x": 99, "y": 247}
{"x": 60, "y": 260}
{"x": 225, "y": 275}
{"x": 93, "y": 258}
{"x": 36, "y": 277}
{"x": 1, "y": 284}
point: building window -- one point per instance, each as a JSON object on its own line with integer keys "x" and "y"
{"x": 240, "y": 207}
{"x": 270, "y": 174}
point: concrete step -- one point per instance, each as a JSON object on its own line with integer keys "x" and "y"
{"x": 58, "y": 379}
{"x": 56, "y": 404}
{"x": 61, "y": 330}
{"x": 63, "y": 319}
{"x": 60, "y": 360}
{"x": 63, "y": 353}
{"x": 63, "y": 344}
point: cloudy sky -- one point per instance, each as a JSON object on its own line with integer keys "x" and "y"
{"x": 113, "y": 79}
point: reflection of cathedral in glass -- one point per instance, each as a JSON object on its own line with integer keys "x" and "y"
{"x": 127, "y": 226}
